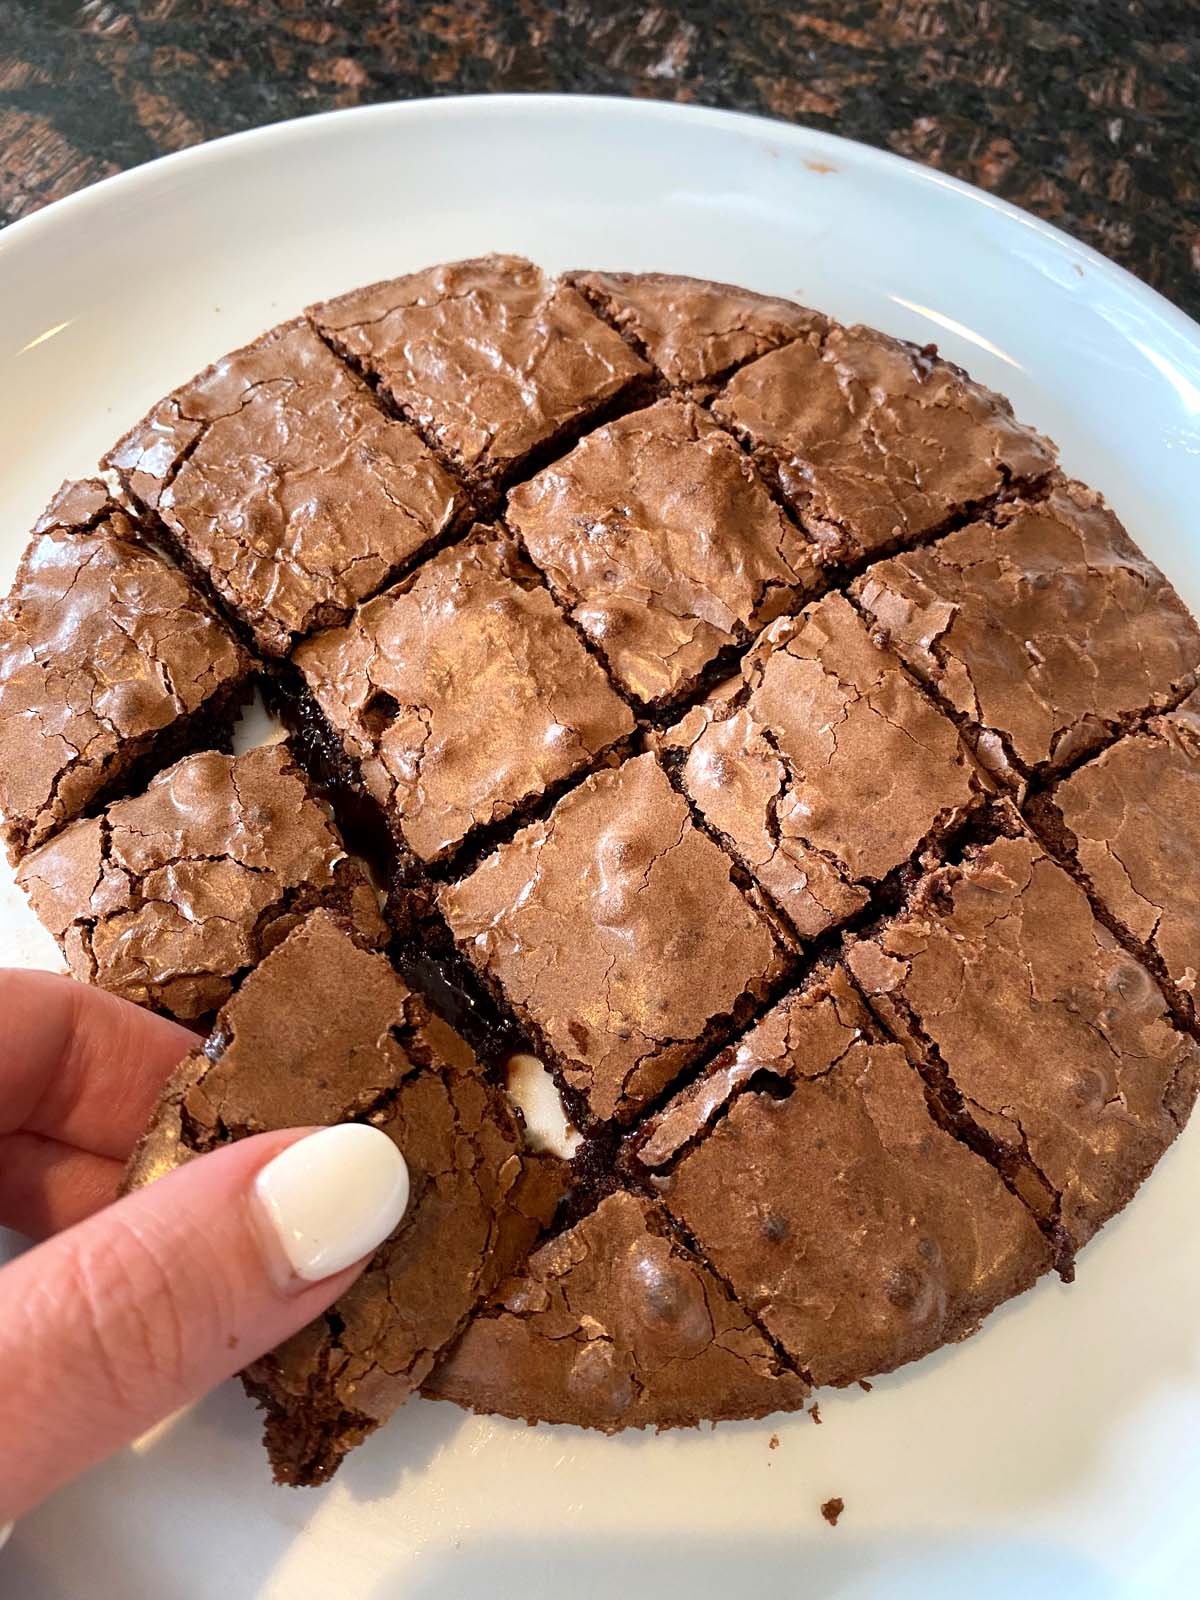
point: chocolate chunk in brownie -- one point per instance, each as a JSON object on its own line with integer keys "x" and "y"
{"x": 695, "y": 332}
{"x": 461, "y": 695}
{"x": 616, "y": 1324}
{"x": 276, "y": 473}
{"x": 324, "y": 1031}
{"x": 1011, "y": 995}
{"x": 1043, "y": 628}
{"x": 822, "y": 766}
{"x": 662, "y": 542}
{"x": 108, "y": 656}
{"x": 1129, "y": 823}
{"x": 492, "y": 360}
{"x": 615, "y": 932}
{"x": 168, "y": 897}
{"x": 876, "y": 443}
{"x": 811, "y": 1174}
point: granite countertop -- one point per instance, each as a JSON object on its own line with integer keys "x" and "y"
{"x": 1085, "y": 111}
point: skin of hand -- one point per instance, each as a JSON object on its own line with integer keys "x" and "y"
{"x": 132, "y": 1307}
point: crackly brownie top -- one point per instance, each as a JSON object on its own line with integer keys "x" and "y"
{"x": 1132, "y": 823}
{"x": 489, "y": 358}
{"x": 694, "y": 331}
{"x": 822, "y": 765}
{"x": 462, "y": 693}
{"x": 1058, "y": 1040}
{"x": 616, "y": 1324}
{"x": 280, "y": 476}
{"x": 1044, "y": 626}
{"x": 167, "y": 897}
{"x": 615, "y": 931}
{"x": 659, "y": 537}
{"x": 811, "y": 1173}
{"x": 103, "y": 646}
{"x": 324, "y": 1031}
{"x": 876, "y": 442}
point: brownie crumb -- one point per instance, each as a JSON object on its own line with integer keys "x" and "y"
{"x": 814, "y": 1412}
{"x": 773, "y": 1442}
{"x": 832, "y": 1509}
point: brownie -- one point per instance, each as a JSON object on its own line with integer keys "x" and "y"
{"x": 662, "y": 542}
{"x": 822, "y": 766}
{"x": 108, "y": 655}
{"x": 167, "y": 898}
{"x": 1013, "y": 998}
{"x": 1044, "y": 629}
{"x": 876, "y": 443}
{"x": 461, "y": 695}
{"x": 850, "y": 1223}
{"x": 324, "y": 1031}
{"x": 615, "y": 932}
{"x": 693, "y": 331}
{"x": 616, "y": 1324}
{"x": 492, "y": 360}
{"x": 1128, "y": 822}
{"x": 277, "y": 475}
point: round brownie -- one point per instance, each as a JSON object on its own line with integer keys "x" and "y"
{"x": 739, "y": 712}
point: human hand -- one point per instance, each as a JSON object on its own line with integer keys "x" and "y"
{"x": 136, "y": 1306}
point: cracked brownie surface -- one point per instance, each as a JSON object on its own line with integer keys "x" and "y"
{"x": 799, "y": 766}
{"x": 663, "y": 545}
{"x": 324, "y": 1031}
{"x": 107, "y": 653}
{"x": 168, "y": 897}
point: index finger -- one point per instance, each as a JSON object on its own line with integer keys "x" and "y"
{"x": 79, "y": 1065}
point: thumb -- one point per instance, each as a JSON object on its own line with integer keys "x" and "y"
{"x": 122, "y": 1319}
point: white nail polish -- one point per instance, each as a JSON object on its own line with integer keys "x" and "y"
{"x": 330, "y": 1199}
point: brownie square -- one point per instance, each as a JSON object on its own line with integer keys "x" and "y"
{"x": 108, "y": 657}
{"x": 322, "y": 1032}
{"x": 490, "y": 359}
{"x": 1057, "y": 1042}
{"x": 616, "y": 1324}
{"x": 1129, "y": 823}
{"x": 661, "y": 541}
{"x": 822, "y": 766}
{"x": 854, "y": 1227}
{"x": 461, "y": 695}
{"x": 695, "y": 332}
{"x": 616, "y": 934}
{"x": 1045, "y": 629}
{"x": 278, "y": 476}
{"x": 168, "y": 897}
{"x": 876, "y": 443}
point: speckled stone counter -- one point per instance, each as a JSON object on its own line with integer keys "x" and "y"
{"x": 1085, "y": 111}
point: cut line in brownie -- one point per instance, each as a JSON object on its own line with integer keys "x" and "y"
{"x": 496, "y": 364}
{"x": 663, "y": 545}
{"x": 695, "y": 333}
{"x": 322, "y": 1032}
{"x": 821, "y": 767}
{"x": 616, "y": 933}
{"x": 876, "y": 443}
{"x": 616, "y": 1324}
{"x": 1128, "y": 824}
{"x": 461, "y": 696}
{"x": 109, "y": 660}
{"x": 168, "y": 897}
{"x": 1025, "y": 1014}
{"x": 277, "y": 475}
{"x": 809, "y": 1170}
{"x": 1044, "y": 630}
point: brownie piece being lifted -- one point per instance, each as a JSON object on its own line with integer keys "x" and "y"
{"x": 616, "y": 1324}
{"x": 109, "y": 657}
{"x": 278, "y": 476}
{"x": 493, "y": 361}
{"x": 322, "y": 1032}
{"x": 168, "y": 897}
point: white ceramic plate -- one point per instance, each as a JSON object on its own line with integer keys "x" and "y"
{"x": 1052, "y": 1455}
